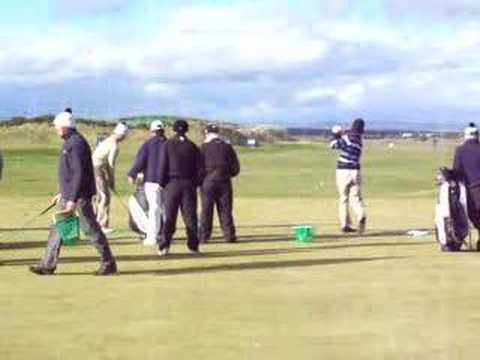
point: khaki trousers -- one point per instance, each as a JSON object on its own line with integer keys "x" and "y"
{"x": 102, "y": 199}
{"x": 349, "y": 189}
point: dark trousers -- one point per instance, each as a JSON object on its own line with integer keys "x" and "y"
{"x": 217, "y": 194}
{"x": 89, "y": 226}
{"x": 473, "y": 202}
{"x": 180, "y": 194}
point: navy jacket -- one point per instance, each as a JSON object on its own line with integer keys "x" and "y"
{"x": 466, "y": 163}
{"x": 219, "y": 161}
{"x": 147, "y": 160}
{"x": 75, "y": 169}
{"x": 1, "y": 165}
{"x": 179, "y": 159}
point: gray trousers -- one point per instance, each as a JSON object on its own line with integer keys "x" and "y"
{"x": 90, "y": 228}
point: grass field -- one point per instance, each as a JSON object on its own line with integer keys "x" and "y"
{"x": 380, "y": 296}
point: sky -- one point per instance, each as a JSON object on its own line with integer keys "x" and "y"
{"x": 284, "y": 62}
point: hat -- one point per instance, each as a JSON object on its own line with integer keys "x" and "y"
{"x": 64, "y": 120}
{"x": 180, "y": 126}
{"x": 212, "y": 128}
{"x": 156, "y": 125}
{"x": 471, "y": 132}
{"x": 121, "y": 129}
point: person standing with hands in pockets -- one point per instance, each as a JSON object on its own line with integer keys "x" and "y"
{"x": 219, "y": 165}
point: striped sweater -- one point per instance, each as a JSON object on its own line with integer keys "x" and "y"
{"x": 349, "y": 151}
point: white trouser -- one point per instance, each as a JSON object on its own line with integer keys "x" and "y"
{"x": 153, "y": 194}
{"x": 349, "y": 188}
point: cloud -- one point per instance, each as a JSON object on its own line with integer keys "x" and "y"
{"x": 72, "y": 8}
{"x": 161, "y": 89}
{"x": 236, "y": 64}
{"x": 345, "y": 95}
{"x": 435, "y": 8}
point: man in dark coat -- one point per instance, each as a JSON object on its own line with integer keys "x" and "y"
{"x": 466, "y": 165}
{"x": 1, "y": 165}
{"x": 179, "y": 177}
{"x": 219, "y": 165}
{"x": 77, "y": 187}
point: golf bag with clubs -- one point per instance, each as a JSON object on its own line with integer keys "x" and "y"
{"x": 451, "y": 212}
{"x": 138, "y": 212}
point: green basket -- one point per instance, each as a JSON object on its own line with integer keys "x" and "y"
{"x": 69, "y": 229}
{"x": 304, "y": 233}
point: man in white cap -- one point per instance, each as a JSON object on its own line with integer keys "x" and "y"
{"x": 466, "y": 165}
{"x": 77, "y": 187}
{"x": 147, "y": 162}
{"x": 104, "y": 161}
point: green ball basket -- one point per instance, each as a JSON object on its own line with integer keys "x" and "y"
{"x": 69, "y": 229}
{"x": 304, "y": 233}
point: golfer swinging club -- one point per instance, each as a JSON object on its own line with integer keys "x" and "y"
{"x": 77, "y": 187}
{"x": 349, "y": 180}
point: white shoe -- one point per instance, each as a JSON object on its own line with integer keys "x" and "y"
{"x": 193, "y": 252}
{"x": 149, "y": 242}
{"x": 163, "y": 252}
{"x": 107, "y": 230}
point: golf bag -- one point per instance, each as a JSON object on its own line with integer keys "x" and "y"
{"x": 451, "y": 212}
{"x": 138, "y": 212}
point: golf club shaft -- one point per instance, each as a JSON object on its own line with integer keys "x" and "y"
{"x": 125, "y": 207}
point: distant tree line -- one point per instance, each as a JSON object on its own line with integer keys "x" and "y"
{"x": 377, "y": 134}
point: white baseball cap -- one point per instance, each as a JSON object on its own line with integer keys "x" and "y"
{"x": 156, "y": 125}
{"x": 471, "y": 131}
{"x": 64, "y": 120}
{"x": 121, "y": 129}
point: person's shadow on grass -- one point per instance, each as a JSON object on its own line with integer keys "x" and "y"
{"x": 254, "y": 265}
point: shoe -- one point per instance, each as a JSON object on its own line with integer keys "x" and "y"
{"x": 107, "y": 230}
{"x": 231, "y": 240}
{"x": 362, "y": 224}
{"x": 348, "y": 229}
{"x": 478, "y": 245}
{"x": 106, "y": 270}
{"x": 149, "y": 242}
{"x": 164, "y": 252}
{"x": 194, "y": 251}
{"x": 40, "y": 270}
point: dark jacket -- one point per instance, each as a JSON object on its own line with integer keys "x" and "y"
{"x": 466, "y": 163}
{"x": 75, "y": 169}
{"x": 179, "y": 159}
{"x": 147, "y": 160}
{"x": 1, "y": 165}
{"x": 219, "y": 161}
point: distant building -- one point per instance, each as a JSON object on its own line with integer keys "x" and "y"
{"x": 252, "y": 143}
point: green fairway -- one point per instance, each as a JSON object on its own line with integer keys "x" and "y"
{"x": 384, "y": 295}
